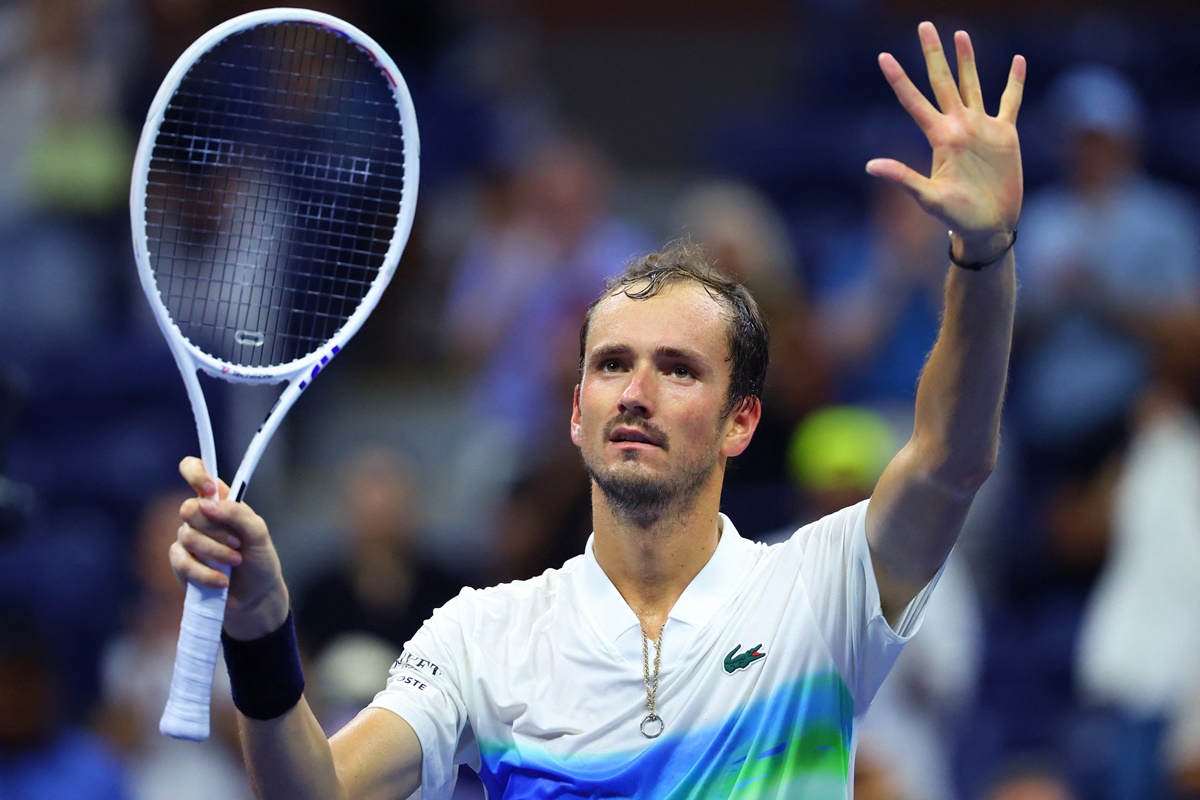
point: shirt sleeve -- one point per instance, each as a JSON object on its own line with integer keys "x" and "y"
{"x": 836, "y": 573}
{"x": 423, "y": 688}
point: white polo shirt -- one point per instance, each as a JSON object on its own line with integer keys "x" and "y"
{"x": 538, "y": 684}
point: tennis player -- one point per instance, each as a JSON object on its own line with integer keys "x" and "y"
{"x": 672, "y": 658}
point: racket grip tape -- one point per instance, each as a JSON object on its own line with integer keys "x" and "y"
{"x": 186, "y": 715}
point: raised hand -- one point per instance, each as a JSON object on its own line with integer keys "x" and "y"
{"x": 221, "y": 531}
{"x": 975, "y": 186}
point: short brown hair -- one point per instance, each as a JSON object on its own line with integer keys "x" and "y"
{"x": 682, "y": 261}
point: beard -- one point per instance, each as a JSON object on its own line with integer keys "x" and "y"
{"x": 646, "y": 499}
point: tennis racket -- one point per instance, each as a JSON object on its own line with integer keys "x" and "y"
{"x": 273, "y": 192}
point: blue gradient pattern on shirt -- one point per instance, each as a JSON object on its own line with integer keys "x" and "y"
{"x": 798, "y": 738}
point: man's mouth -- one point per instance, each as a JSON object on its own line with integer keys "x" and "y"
{"x": 625, "y": 433}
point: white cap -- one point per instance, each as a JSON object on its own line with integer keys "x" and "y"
{"x": 1097, "y": 99}
{"x": 353, "y": 667}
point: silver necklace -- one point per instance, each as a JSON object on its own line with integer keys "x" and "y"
{"x": 652, "y": 725}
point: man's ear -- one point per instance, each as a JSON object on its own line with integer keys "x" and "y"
{"x": 741, "y": 422}
{"x": 576, "y": 419}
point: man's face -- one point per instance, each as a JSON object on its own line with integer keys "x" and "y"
{"x": 647, "y": 412}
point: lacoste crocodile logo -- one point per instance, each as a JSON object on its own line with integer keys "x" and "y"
{"x": 742, "y": 660}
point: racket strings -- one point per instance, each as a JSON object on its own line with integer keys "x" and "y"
{"x": 273, "y": 193}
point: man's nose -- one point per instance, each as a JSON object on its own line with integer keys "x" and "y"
{"x": 638, "y": 397}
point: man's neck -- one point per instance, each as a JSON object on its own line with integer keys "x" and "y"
{"x": 651, "y": 566}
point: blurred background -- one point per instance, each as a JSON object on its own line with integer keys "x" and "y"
{"x": 1059, "y": 658}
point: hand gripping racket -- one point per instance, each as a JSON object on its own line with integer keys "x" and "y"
{"x": 273, "y": 192}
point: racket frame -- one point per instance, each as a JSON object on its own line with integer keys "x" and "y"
{"x": 187, "y": 712}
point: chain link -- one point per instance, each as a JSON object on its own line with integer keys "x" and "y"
{"x": 652, "y": 725}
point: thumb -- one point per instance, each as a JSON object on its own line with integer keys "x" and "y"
{"x": 196, "y": 474}
{"x": 908, "y": 179}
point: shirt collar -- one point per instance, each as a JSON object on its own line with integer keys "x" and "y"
{"x": 715, "y": 582}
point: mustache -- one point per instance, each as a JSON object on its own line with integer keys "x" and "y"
{"x": 630, "y": 420}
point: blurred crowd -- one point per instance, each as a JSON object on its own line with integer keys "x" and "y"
{"x": 1059, "y": 659}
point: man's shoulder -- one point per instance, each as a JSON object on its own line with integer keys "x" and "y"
{"x": 806, "y": 530}
{"x": 529, "y": 594}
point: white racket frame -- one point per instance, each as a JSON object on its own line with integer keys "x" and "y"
{"x": 186, "y": 715}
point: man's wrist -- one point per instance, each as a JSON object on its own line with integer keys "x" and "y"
{"x": 265, "y": 674}
{"x": 976, "y": 251}
{"x": 258, "y": 618}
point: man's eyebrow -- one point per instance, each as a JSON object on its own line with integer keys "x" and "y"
{"x": 616, "y": 350}
{"x": 682, "y": 353}
{"x": 609, "y": 351}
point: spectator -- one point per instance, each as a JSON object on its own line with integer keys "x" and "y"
{"x": 1183, "y": 747}
{"x": 64, "y": 168}
{"x": 1139, "y": 644}
{"x": 42, "y": 755}
{"x": 383, "y": 584}
{"x": 1104, "y": 249}
{"x": 1031, "y": 783}
{"x": 879, "y": 296}
{"x": 526, "y": 277}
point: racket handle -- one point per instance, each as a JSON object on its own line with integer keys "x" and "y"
{"x": 187, "y": 712}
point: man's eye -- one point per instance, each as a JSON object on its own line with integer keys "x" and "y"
{"x": 682, "y": 372}
{"x": 611, "y": 365}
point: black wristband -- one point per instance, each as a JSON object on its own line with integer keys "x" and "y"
{"x": 975, "y": 266}
{"x": 265, "y": 673}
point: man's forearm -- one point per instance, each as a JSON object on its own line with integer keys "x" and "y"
{"x": 957, "y": 421}
{"x": 922, "y": 499}
{"x": 289, "y": 756}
